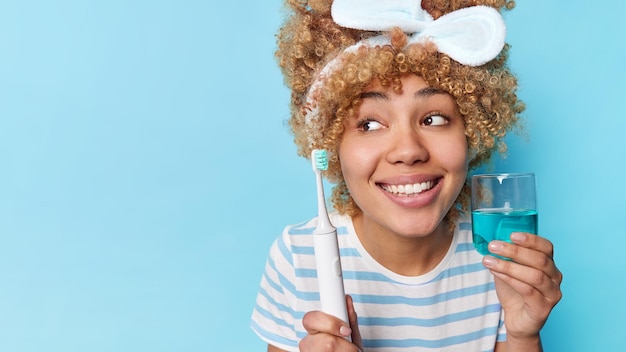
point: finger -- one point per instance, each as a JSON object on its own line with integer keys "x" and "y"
{"x": 527, "y": 281}
{"x": 538, "y": 303}
{"x": 325, "y": 342}
{"x": 535, "y": 242}
{"x": 326, "y": 333}
{"x": 316, "y": 322}
{"x": 535, "y": 304}
{"x": 528, "y": 256}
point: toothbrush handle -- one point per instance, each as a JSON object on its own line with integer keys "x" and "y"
{"x": 332, "y": 294}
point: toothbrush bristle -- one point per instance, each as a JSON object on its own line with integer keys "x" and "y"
{"x": 321, "y": 159}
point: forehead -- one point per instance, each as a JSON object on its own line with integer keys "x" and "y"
{"x": 409, "y": 82}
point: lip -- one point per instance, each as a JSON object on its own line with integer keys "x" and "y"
{"x": 416, "y": 200}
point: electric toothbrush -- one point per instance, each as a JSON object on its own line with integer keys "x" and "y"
{"x": 329, "y": 275}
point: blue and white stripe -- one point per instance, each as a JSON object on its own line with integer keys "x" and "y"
{"x": 452, "y": 308}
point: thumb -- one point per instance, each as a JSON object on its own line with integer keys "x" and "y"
{"x": 354, "y": 323}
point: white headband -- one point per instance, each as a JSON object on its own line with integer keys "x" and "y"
{"x": 472, "y": 36}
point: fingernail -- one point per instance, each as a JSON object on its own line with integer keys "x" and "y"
{"x": 490, "y": 261}
{"x": 518, "y": 237}
{"x": 496, "y": 246}
{"x": 345, "y": 331}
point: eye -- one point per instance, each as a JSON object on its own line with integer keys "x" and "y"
{"x": 369, "y": 125}
{"x": 435, "y": 120}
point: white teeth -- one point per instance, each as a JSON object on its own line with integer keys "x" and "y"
{"x": 410, "y": 188}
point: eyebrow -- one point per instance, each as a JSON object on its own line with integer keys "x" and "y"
{"x": 427, "y": 92}
{"x": 373, "y": 95}
{"x": 422, "y": 93}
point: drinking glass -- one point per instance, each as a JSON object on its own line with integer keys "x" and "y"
{"x": 502, "y": 204}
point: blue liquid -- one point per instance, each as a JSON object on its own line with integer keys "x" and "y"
{"x": 497, "y": 224}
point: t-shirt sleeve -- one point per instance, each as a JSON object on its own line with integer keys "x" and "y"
{"x": 274, "y": 315}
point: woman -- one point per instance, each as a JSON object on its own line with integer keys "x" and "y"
{"x": 407, "y": 99}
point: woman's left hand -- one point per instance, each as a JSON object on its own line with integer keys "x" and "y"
{"x": 528, "y": 286}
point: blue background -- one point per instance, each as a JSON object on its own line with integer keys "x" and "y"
{"x": 147, "y": 167}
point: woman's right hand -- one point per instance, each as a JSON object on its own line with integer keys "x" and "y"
{"x": 327, "y": 333}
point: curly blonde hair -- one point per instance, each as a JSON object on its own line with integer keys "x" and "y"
{"x": 309, "y": 39}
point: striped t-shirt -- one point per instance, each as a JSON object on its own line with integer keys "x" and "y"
{"x": 454, "y": 307}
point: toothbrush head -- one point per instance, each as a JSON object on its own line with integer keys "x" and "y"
{"x": 319, "y": 159}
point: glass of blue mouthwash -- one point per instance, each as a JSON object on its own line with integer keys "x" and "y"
{"x": 502, "y": 204}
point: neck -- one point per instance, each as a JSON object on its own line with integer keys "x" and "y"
{"x": 405, "y": 255}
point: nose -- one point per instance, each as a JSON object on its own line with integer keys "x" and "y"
{"x": 407, "y": 147}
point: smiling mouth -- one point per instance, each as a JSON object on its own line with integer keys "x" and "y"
{"x": 408, "y": 189}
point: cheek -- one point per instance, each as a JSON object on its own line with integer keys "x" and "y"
{"x": 455, "y": 156}
{"x": 347, "y": 162}
{"x": 462, "y": 163}
{"x": 463, "y": 157}
{"x": 356, "y": 161}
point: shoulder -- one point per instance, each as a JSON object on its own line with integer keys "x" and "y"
{"x": 300, "y": 233}
{"x": 295, "y": 248}
{"x": 291, "y": 242}
{"x": 296, "y": 240}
